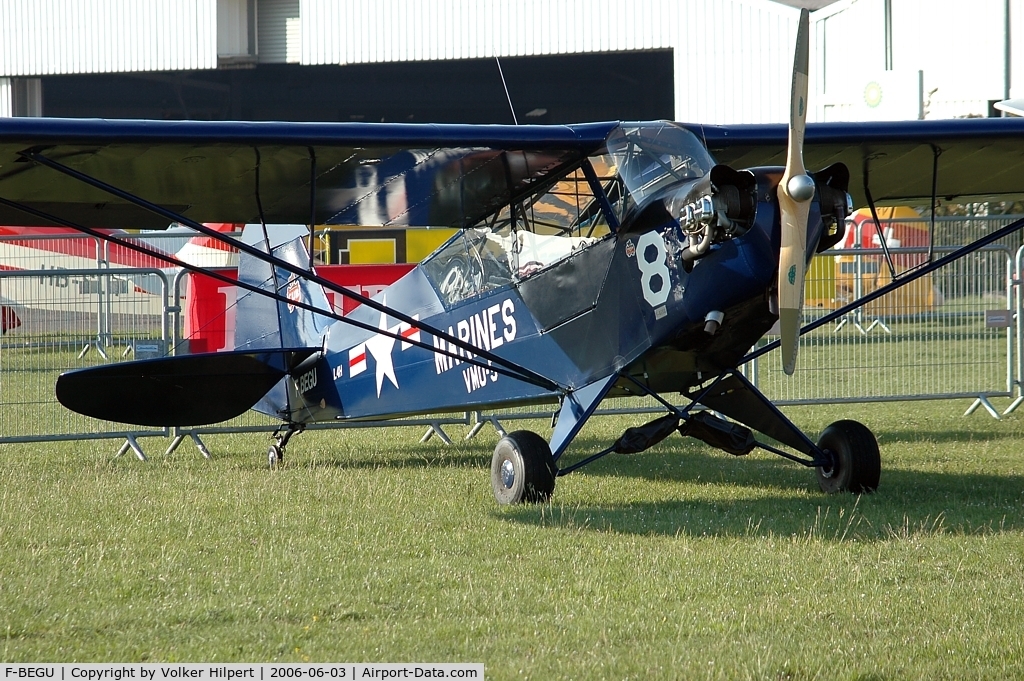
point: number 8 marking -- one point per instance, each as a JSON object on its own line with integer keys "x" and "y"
{"x": 652, "y": 270}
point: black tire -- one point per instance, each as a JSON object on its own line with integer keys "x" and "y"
{"x": 858, "y": 464}
{"x": 522, "y": 469}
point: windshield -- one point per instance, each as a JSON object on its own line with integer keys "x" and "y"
{"x": 652, "y": 155}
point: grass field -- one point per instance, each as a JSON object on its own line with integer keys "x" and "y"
{"x": 679, "y": 563}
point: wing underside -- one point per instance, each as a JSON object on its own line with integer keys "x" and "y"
{"x": 371, "y": 174}
{"x": 438, "y": 175}
{"x": 968, "y": 159}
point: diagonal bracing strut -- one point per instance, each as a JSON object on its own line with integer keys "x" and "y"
{"x": 138, "y": 248}
{"x": 889, "y": 288}
{"x": 512, "y": 369}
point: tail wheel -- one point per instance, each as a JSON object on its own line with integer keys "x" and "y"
{"x": 857, "y": 463}
{"x": 522, "y": 469}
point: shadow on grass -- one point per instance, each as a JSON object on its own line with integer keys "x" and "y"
{"x": 687, "y": 460}
{"x": 720, "y": 495}
{"x": 404, "y": 456}
{"x": 764, "y": 496}
{"x": 877, "y": 517}
{"x": 889, "y": 437}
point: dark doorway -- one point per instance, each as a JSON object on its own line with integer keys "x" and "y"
{"x": 549, "y": 89}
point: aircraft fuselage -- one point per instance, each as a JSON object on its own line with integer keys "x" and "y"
{"x": 629, "y": 303}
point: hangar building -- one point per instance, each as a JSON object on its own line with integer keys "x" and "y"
{"x": 715, "y": 61}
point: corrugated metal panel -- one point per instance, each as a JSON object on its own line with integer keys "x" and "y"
{"x": 367, "y": 31}
{"x": 738, "y": 68}
{"x": 26, "y": 97}
{"x": 43, "y": 37}
{"x": 233, "y": 28}
{"x": 279, "y": 31}
{"x": 5, "y": 98}
{"x": 732, "y": 57}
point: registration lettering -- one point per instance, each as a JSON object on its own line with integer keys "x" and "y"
{"x": 306, "y": 381}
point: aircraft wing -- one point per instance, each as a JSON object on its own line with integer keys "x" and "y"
{"x": 978, "y": 158}
{"x": 221, "y": 171}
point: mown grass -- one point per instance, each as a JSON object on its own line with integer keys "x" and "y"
{"x": 678, "y": 563}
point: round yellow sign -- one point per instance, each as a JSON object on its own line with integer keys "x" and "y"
{"x": 873, "y": 94}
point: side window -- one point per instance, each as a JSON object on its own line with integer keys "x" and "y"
{"x": 472, "y": 262}
{"x": 528, "y": 237}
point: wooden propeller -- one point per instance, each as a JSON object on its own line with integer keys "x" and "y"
{"x": 795, "y": 193}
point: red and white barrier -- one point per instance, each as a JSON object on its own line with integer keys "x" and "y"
{"x": 210, "y": 304}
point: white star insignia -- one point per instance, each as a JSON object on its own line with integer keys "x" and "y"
{"x": 380, "y": 346}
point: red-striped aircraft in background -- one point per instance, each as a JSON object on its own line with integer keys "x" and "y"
{"x": 59, "y": 250}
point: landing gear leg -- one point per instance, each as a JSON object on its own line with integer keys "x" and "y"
{"x": 846, "y": 456}
{"x": 275, "y": 454}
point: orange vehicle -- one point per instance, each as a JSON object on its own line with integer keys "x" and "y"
{"x": 857, "y": 275}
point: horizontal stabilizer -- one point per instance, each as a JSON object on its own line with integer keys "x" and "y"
{"x": 191, "y": 390}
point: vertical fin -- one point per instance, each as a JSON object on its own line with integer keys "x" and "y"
{"x": 265, "y": 323}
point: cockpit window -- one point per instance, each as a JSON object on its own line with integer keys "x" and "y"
{"x": 559, "y": 219}
{"x": 649, "y": 156}
{"x": 523, "y": 238}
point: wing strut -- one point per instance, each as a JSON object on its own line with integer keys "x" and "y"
{"x": 883, "y": 244}
{"x": 275, "y": 295}
{"x": 263, "y": 222}
{"x": 520, "y": 372}
{"x": 936, "y": 152}
{"x": 312, "y": 203}
{"x": 600, "y": 195}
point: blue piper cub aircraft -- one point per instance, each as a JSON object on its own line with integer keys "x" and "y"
{"x": 593, "y": 261}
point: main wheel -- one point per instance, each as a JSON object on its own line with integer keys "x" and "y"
{"x": 522, "y": 469}
{"x": 857, "y": 463}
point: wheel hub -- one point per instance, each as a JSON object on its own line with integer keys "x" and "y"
{"x": 829, "y": 470}
{"x": 508, "y": 474}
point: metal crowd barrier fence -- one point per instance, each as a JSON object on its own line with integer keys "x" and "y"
{"x": 71, "y": 318}
{"x": 946, "y": 336}
{"x": 956, "y": 334}
{"x": 1018, "y": 317}
{"x": 921, "y": 342}
{"x": 58, "y": 318}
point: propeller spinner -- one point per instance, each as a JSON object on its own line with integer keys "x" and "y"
{"x": 795, "y": 193}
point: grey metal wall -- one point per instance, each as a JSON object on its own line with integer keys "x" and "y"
{"x": 278, "y": 28}
{"x": 733, "y": 58}
{"x": 5, "y": 97}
